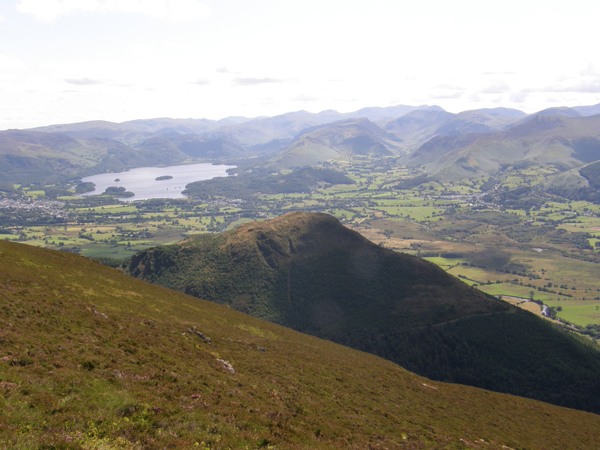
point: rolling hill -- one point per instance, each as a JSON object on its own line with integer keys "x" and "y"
{"x": 98, "y": 128}
{"x": 559, "y": 140}
{"x": 92, "y": 359}
{"x": 588, "y": 110}
{"x": 321, "y": 143}
{"x": 578, "y": 184}
{"x": 265, "y": 134}
{"x": 378, "y": 114}
{"x": 417, "y": 127}
{"x": 47, "y": 158}
{"x": 269, "y": 135}
{"x": 310, "y": 273}
{"x": 136, "y": 131}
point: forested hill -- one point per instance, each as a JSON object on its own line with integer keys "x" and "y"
{"x": 310, "y": 273}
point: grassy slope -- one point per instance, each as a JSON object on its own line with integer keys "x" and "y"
{"x": 359, "y": 136}
{"x": 557, "y": 140}
{"x": 93, "y": 359}
{"x": 38, "y": 157}
{"x": 308, "y": 272}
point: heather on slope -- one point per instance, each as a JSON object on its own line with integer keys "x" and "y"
{"x": 96, "y": 360}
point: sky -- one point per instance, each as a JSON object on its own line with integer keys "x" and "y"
{"x": 65, "y": 61}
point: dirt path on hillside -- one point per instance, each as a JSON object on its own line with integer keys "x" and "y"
{"x": 511, "y": 310}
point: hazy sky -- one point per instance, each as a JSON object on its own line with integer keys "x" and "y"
{"x": 64, "y": 61}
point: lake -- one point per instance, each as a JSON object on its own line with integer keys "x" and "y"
{"x": 142, "y": 181}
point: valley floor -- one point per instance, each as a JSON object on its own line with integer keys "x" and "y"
{"x": 548, "y": 253}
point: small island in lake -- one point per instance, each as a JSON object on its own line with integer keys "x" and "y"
{"x": 118, "y": 192}
{"x": 164, "y": 177}
{"x": 117, "y": 180}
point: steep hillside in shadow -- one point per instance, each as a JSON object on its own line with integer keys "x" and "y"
{"x": 310, "y": 273}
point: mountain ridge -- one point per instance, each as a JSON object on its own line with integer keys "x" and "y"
{"x": 564, "y": 141}
{"x": 292, "y": 139}
{"x": 323, "y": 142}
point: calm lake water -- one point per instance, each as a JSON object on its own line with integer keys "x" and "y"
{"x": 142, "y": 181}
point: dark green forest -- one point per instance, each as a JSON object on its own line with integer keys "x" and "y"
{"x": 260, "y": 180}
{"x": 516, "y": 353}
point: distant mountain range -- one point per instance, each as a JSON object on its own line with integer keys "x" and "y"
{"x": 447, "y": 145}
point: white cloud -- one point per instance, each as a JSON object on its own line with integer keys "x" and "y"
{"x": 496, "y": 87}
{"x": 519, "y": 97}
{"x": 11, "y": 64}
{"x": 448, "y": 87}
{"x": 83, "y": 81}
{"x": 254, "y": 81}
{"x": 444, "y": 96}
{"x": 445, "y": 92}
{"x": 590, "y": 71}
{"x": 498, "y": 73}
{"x": 586, "y": 87}
{"x": 1, "y": 18}
{"x": 173, "y": 10}
{"x": 475, "y": 97}
{"x": 306, "y": 98}
{"x": 142, "y": 50}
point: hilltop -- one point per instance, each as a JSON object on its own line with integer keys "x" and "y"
{"x": 321, "y": 143}
{"x": 308, "y": 272}
{"x": 417, "y": 127}
{"x": 301, "y": 263}
{"x": 107, "y": 361}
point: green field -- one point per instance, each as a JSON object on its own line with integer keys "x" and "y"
{"x": 580, "y": 313}
{"x": 522, "y": 249}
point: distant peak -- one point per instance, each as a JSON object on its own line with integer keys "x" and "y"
{"x": 560, "y": 110}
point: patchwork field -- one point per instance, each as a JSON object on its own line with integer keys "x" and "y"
{"x": 501, "y": 249}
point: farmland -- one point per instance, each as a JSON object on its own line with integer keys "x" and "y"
{"x": 545, "y": 248}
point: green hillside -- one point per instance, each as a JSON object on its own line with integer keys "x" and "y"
{"x": 308, "y": 272}
{"x": 92, "y": 359}
{"x": 582, "y": 184}
{"x": 417, "y": 127}
{"x": 262, "y": 181}
{"x": 37, "y": 157}
{"x": 555, "y": 140}
{"x": 321, "y": 143}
